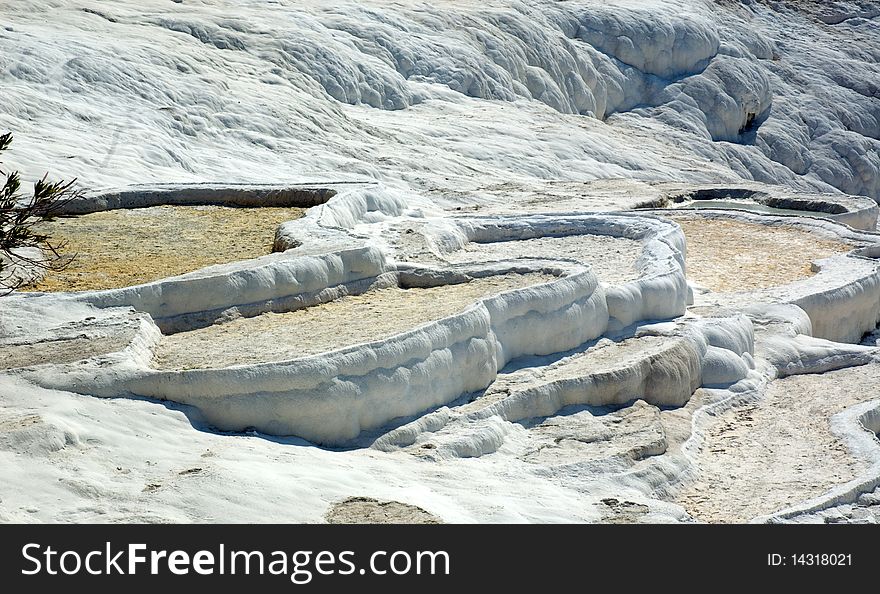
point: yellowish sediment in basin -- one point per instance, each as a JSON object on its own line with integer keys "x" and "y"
{"x": 726, "y": 255}
{"x": 120, "y": 248}
{"x": 346, "y": 321}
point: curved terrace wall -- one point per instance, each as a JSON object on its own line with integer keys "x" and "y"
{"x": 249, "y": 195}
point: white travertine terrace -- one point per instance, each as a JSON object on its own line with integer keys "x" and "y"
{"x": 359, "y": 394}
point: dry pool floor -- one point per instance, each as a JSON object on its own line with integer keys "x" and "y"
{"x": 346, "y": 321}
{"x": 733, "y": 256}
{"x": 612, "y": 259}
{"x": 124, "y": 247}
{"x": 761, "y": 458}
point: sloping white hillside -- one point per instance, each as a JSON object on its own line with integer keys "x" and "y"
{"x": 448, "y": 94}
